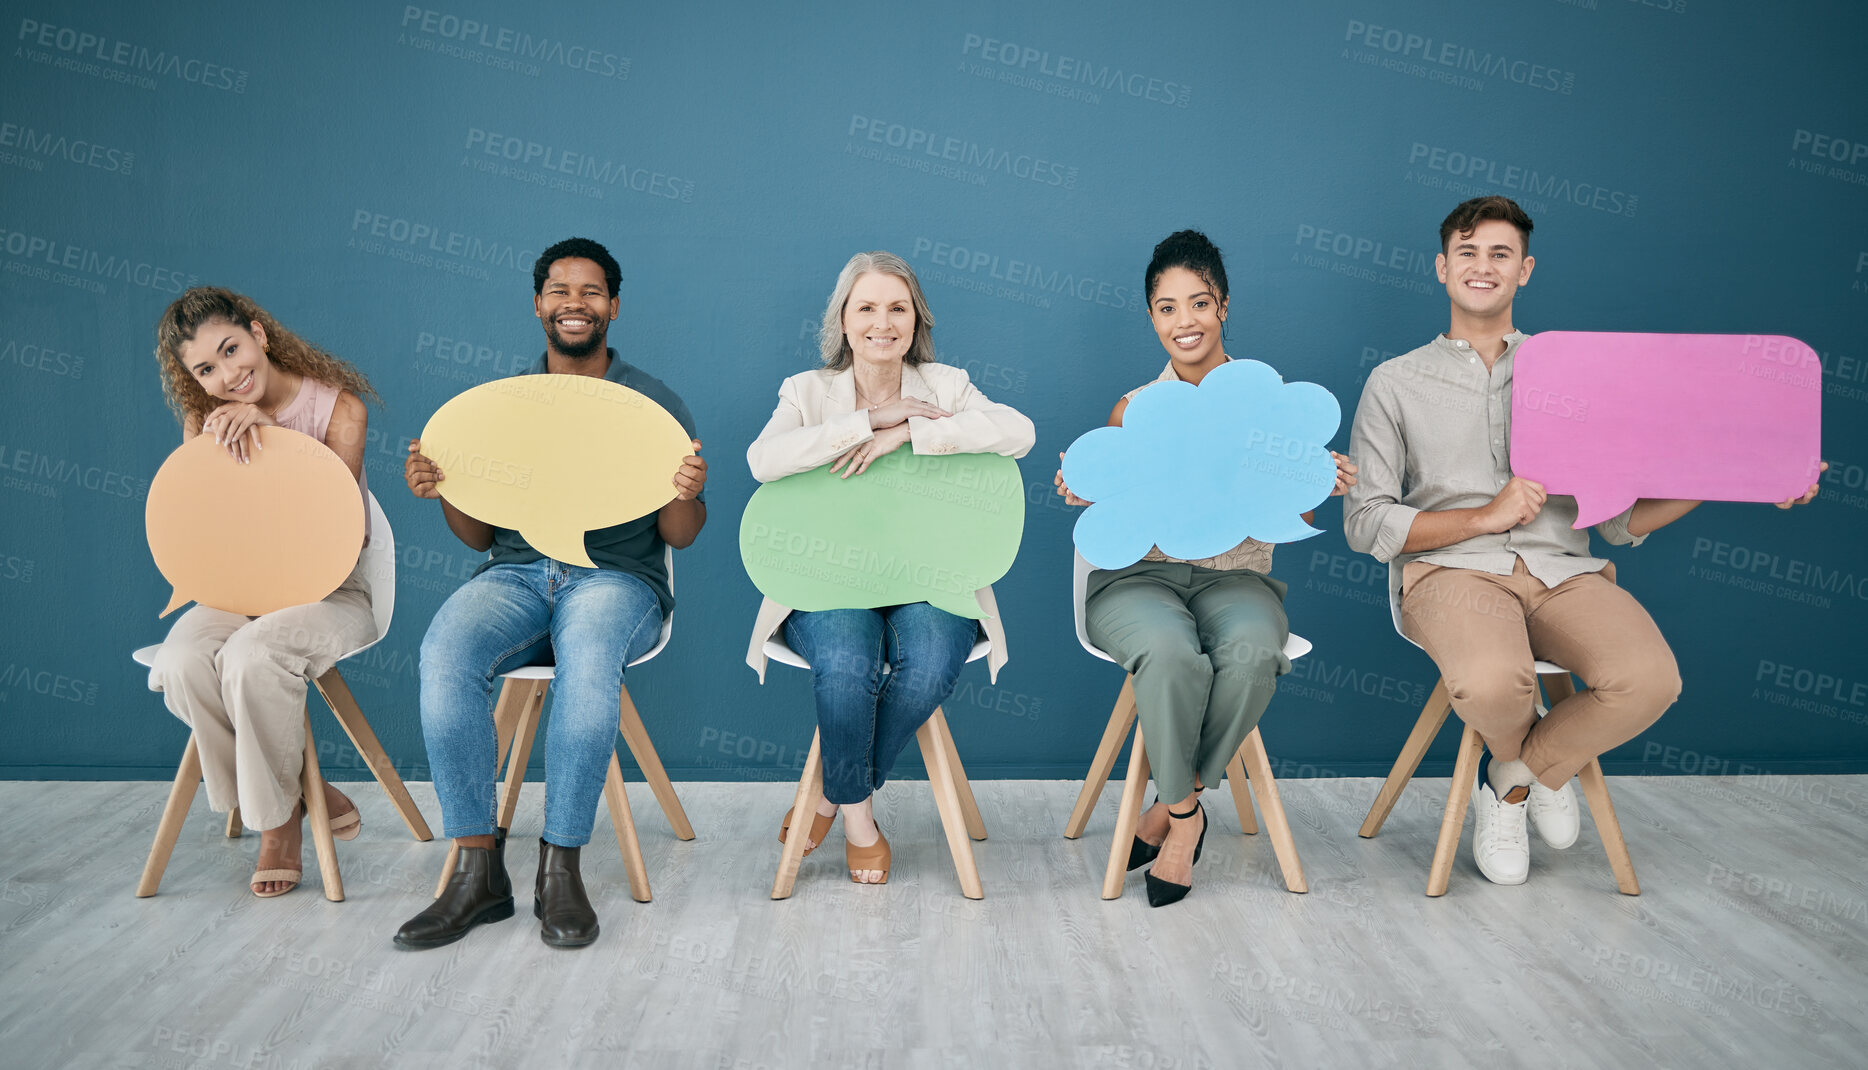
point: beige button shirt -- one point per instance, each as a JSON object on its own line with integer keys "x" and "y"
{"x": 1433, "y": 432}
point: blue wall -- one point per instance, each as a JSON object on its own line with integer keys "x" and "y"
{"x": 1696, "y": 166}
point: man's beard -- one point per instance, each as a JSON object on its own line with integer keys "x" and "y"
{"x": 576, "y": 350}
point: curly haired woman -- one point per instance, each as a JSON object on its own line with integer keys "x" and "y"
{"x": 239, "y": 682}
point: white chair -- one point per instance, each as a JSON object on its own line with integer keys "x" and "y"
{"x": 1557, "y": 686}
{"x": 379, "y": 569}
{"x": 515, "y": 722}
{"x": 1250, "y": 766}
{"x": 953, "y": 795}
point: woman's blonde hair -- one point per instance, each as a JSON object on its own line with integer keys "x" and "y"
{"x": 830, "y": 339}
{"x": 210, "y": 304}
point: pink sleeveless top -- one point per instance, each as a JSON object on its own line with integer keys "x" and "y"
{"x": 310, "y": 414}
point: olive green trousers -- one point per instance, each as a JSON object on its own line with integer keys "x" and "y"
{"x": 1206, "y": 648}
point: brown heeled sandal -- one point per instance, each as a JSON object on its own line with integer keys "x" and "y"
{"x": 820, "y": 827}
{"x": 874, "y": 856}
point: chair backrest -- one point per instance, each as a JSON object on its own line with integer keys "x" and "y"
{"x": 378, "y": 565}
{"x": 1079, "y": 597}
{"x": 1295, "y": 646}
{"x": 668, "y": 622}
{"x": 1394, "y": 603}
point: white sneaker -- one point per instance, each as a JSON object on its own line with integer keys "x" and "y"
{"x": 1554, "y": 815}
{"x": 1500, "y": 842}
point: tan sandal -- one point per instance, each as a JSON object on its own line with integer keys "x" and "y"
{"x": 346, "y": 825}
{"x": 873, "y": 857}
{"x": 820, "y": 827}
{"x": 262, "y": 876}
{"x": 294, "y": 875}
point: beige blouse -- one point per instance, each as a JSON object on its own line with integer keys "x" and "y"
{"x": 1250, "y": 554}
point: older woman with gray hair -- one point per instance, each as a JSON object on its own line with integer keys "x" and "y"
{"x": 880, "y": 389}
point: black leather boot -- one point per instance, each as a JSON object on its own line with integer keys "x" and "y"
{"x": 478, "y": 891}
{"x": 566, "y": 918}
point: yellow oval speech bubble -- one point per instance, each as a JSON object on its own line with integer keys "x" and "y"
{"x": 284, "y": 530}
{"x": 554, "y": 456}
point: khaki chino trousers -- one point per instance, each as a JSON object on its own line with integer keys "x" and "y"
{"x": 1484, "y": 631}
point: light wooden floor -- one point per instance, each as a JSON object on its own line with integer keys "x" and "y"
{"x": 1749, "y": 946}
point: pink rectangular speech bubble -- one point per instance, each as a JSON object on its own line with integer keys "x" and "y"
{"x": 1609, "y": 418}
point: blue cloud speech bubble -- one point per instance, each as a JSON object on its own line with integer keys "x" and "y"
{"x": 1196, "y": 470}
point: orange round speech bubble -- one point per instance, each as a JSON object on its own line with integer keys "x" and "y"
{"x": 555, "y": 456}
{"x": 284, "y": 530}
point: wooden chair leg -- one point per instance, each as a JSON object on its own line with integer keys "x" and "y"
{"x": 1107, "y": 751}
{"x": 516, "y": 758}
{"x": 1265, "y": 786}
{"x": 319, "y": 817}
{"x": 1596, "y": 790}
{"x": 650, "y": 763}
{"x": 234, "y": 828}
{"x": 174, "y": 812}
{"x": 344, "y": 705}
{"x": 1432, "y": 716}
{"x": 1128, "y": 815}
{"x": 1453, "y": 821}
{"x": 969, "y": 807}
{"x": 513, "y": 695}
{"x": 803, "y": 804}
{"x": 625, "y": 824}
{"x": 514, "y": 698}
{"x": 1241, "y": 792}
{"x": 947, "y": 801}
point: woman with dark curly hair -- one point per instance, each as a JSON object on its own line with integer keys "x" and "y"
{"x": 229, "y": 368}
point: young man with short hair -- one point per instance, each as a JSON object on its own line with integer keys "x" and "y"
{"x": 1486, "y": 568}
{"x": 522, "y": 608}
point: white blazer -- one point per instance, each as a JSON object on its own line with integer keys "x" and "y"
{"x": 817, "y": 421}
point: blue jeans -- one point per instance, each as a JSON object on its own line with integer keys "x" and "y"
{"x": 867, "y": 716}
{"x": 594, "y": 621}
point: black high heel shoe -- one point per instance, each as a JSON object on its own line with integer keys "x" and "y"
{"x": 1160, "y": 892}
{"x": 1141, "y": 852}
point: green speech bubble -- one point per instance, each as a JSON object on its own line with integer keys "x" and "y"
{"x": 910, "y": 529}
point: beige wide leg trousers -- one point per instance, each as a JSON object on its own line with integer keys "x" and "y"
{"x": 239, "y": 683}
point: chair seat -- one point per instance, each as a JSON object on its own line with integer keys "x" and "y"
{"x": 1296, "y": 646}
{"x": 778, "y": 650}
{"x": 146, "y": 657}
{"x": 550, "y": 672}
